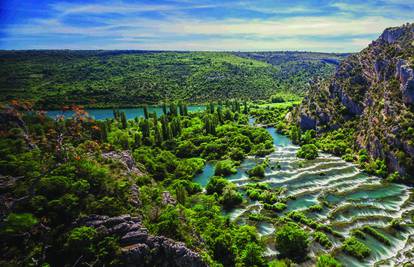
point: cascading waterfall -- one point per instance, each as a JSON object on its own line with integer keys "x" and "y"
{"x": 355, "y": 199}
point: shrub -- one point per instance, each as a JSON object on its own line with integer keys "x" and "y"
{"x": 257, "y": 171}
{"x": 216, "y": 185}
{"x": 327, "y": 260}
{"x": 314, "y": 208}
{"x": 225, "y": 168}
{"x": 18, "y": 223}
{"x": 376, "y": 234}
{"x": 292, "y": 241}
{"x": 308, "y": 151}
{"x": 322, "y": 239}
{"x": 356, "y": 248}
{"x": 230, "y": 197}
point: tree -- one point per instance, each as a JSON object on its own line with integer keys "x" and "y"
{"x": 292, "y": 241}
{"x": 146, "y": 114}
{"x": 251, "y": 256}
{"x": 124, "y": 120}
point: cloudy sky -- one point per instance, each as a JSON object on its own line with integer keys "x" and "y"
{"x": 251, "y": 25}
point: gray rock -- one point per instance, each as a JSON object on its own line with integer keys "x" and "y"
{"x": 141, "y": 249}
{"x": 134, "y": 238}
{"x": 406, "y": 76}
{"x": 391, "y": 35}
{"x": 306, "y": 122}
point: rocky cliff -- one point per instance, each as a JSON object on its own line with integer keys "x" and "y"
{"x": 139, "y": 248}
{"x": 376, "y": 89}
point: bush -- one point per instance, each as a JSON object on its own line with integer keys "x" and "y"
{"x": 377, "y": 235}
{"x": 356, "y": 248}
{"x": 292, "y": 241}
{"x": 322, "y": 239}
{"x": 257, "y": 171}
{"x": 225, "y": 168}
{"x": 327, "y": 260}
{"x": 216, "y": 185}
{"x": 308, "y": 151}
{"x": 230, "y": 197}
{"x": 18, "y": 223}
{"x": 315, "y": 208}
{"x": 81, "y": 240}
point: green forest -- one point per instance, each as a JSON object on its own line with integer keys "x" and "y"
{"x": 133, "y": 78}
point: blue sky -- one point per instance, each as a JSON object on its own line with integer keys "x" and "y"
{"x": 328, "y": 26}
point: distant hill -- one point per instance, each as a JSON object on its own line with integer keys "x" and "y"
{"x": 98, "y": 78}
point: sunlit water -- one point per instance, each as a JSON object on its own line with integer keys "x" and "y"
{"x": 355, "y": 199}
{"x": 101, "y": 114}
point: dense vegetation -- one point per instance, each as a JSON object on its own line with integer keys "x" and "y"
{"x": 131, "y": 78}
{"x": 57, "y": 172}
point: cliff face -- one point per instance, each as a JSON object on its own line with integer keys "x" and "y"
{"x": 139, "y": 248}
{"x": 376, "y": 88}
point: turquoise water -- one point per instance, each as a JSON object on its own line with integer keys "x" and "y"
{"x": 204, "y": 177}
{"x": 354, "y": 199}
{"x": 101, "y": 114}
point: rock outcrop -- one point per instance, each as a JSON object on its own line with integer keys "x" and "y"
{"x": 376, "y": 88}
{"x": 131, "y": 170}
{"x": 139, "y": 248}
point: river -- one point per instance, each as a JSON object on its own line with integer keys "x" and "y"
{"x": 354, "y": 197}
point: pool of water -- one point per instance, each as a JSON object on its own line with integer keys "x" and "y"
{"x": 107, "y": 113}
{"x": 355, "y": 199}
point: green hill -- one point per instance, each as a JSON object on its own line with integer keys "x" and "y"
{"x": 129, "y": 78}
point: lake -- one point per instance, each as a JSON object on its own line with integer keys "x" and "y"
{"x": 107, "y": 113}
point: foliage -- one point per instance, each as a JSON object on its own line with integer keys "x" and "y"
{"x": 292, "y": 241}
{"x": 128, "y": 78}
{"x": 308, "y": 151}
{"x": 327, "y": 260}
{"x": 322, "y": 239}
{"x": 225, "y": 168}
{"x": 356, "y": 248}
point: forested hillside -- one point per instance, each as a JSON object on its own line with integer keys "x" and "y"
{"x": 130, "y": 78}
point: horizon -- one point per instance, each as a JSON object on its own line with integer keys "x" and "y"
{"x": 204, "y": 26}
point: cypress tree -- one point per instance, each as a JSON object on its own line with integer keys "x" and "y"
{"x": 181, "y": 108}
{"x": 164, "y": 127}
{"x": 220, "y": 114}
{"x": 137, "y": 140}
{"x": 211, "y": 108}
{"x": 104, "y": 131}
{"x": 158, "y": 136}
{"x": 124, "y": 120}
{"x": 173, "y": 109}
{"x": 146, "y": 115}
{"x": 246, "y": 108}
